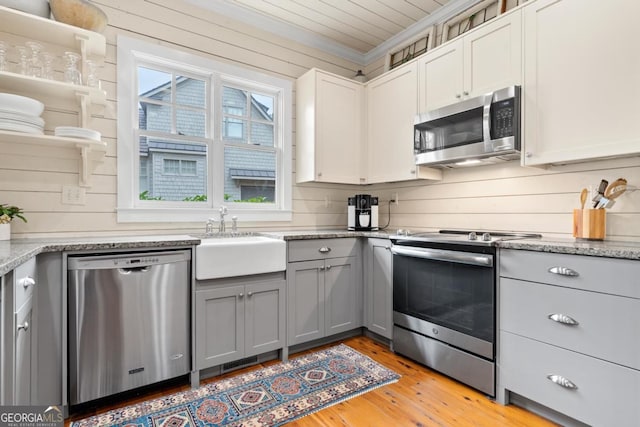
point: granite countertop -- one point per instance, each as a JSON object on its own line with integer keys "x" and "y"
{"x": 604, "y": 248}
{"x": 15, "y": 252}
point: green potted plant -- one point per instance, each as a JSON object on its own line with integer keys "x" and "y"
{"x": 7, "y": 213}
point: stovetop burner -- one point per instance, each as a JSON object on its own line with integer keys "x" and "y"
{"x": 472, "y": 237}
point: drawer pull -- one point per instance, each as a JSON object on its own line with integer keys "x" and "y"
{"x": 27, "y": 281}
{"x": 324, "y": 250}
{"x": 564, "y": 319}
{"x": 24, "y": 326}
{"x": 563, "y": 271}
{"x": 562, "y": 381}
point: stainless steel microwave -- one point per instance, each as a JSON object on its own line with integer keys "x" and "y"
{"x": 476, "y": 130}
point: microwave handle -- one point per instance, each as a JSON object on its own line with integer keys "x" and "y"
{"x": 486, "y": 118}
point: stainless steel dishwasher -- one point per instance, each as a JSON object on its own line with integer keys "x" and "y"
{"x": 129, "y": 317}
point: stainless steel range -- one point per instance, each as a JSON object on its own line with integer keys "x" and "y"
{"x": 444, "y": 294}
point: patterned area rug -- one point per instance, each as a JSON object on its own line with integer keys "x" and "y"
{"x": 269, "y": 396}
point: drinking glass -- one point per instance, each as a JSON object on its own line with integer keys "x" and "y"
{"x": 47, "y": 65}
{"x": 35, "y": 63}
{"x": 71, "y": 72}
{"x": 23, "y": 63}
{"x": 91, "y": 78}
{"x": 3, "y": 56}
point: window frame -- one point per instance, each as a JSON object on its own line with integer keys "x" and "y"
{"x": 132, "y": 53}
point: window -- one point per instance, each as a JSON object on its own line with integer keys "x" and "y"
{"x": 194, "y": 134}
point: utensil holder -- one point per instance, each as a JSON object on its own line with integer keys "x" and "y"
{"x": 589, "y": 224}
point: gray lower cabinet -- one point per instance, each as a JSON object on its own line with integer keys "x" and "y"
{"x": 238, "y": 318}
{"x": 324, "y": 293}
{"x": 568, "y": 339}
{"x": 18, "y": 335}
{"x": 378, "y": 287}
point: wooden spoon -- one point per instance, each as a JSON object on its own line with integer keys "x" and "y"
{"x": 614, "y": 190}
{"x": 583, "y": 198}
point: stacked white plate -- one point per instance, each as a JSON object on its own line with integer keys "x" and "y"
{"x": 75, "y": 132}
{"x": 21, "y": 114}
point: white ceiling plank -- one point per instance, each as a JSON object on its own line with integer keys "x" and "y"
{"x": 382, "y": 8}
{"x": 305, "y": 18}
{"x": 364, "y": 18}
{"x": 428, "y": 6}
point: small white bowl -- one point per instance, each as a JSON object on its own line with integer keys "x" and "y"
{"x": 21, "y": 104}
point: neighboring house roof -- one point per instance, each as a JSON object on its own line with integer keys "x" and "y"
{"x": 175, "y": 146}
{"x": 255, "y": 174}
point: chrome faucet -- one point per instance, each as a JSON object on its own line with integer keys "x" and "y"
{"x": 223, "y": 211}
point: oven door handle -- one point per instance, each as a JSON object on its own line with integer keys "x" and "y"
{"x": 480, "y": 260}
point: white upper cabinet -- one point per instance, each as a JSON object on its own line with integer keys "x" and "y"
{"x": 329, "y": 129}
{"x": 392, "y": 104}
{"x": 581, "y": 80}
{"x": 486, "y": 59}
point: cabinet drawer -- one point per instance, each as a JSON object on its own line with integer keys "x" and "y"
{"x": 304, "y": 250}
{"x": 24, "y": 280}
{"x": 593, "y": 273}
{"x": 606, "y": 394}
{"x": 605, "y": 326}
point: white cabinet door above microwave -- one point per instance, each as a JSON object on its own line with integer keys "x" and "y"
{"x": 486, "y": 59}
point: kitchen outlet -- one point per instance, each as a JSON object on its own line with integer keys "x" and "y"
{"x": 395, "y": 199}
{"x": 73, "y": 195}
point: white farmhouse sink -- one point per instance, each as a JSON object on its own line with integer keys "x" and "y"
{"x": 218, "y": 257}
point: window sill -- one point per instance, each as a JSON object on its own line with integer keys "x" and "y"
{"x": 200, "y": 215}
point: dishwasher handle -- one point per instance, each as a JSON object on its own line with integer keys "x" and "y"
{"x": 130, "y": 270}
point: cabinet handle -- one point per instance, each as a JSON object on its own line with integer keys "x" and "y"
{"x": 562, "y": 381}
{"x": 27, "y": 281}
{"x": 563, "y": 271}
{"x": 240, "y": 295}
{"x": 412, "y": 171}
{"x": 528, "y": 154}
{"x": 249, "y": 294}
{"x": 24, "y": 326}
{"x": 564, "y": 319}
{"x": 328, "y": 267}
{"x": 465, "y": 93}
{"x": 458, "y": 96}
{"x": 324, "y": 250}
{"x": 321, "y": 268}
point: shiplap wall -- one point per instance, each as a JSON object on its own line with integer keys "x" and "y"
{"x": 500, "y": 197}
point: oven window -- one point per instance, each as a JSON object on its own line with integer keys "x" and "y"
{"x": 453, "y": 295}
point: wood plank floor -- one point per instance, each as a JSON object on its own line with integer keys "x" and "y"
{"x": 420, "y": 398}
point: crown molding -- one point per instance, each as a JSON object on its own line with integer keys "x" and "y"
{"x": 311, "y": 39}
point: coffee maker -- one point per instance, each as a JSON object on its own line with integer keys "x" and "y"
{"x": 362, "y": 213}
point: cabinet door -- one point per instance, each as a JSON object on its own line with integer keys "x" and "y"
{"x": 219, "y": 325}
{"x": 338, "y": 130}
{"x": 441, "y": 76}
{"x": 265, "y": 317}
{"x": 329, "y": 128}
{"x": 343, "y": 295}
{"x": 378, "y": 287}
{"x": 392, "y": 102}
{"x": 492, "y": 55}
{"x": 581, "y": 80}
{"x": 305, "y": 301}
{"x": 22, "y": 354}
